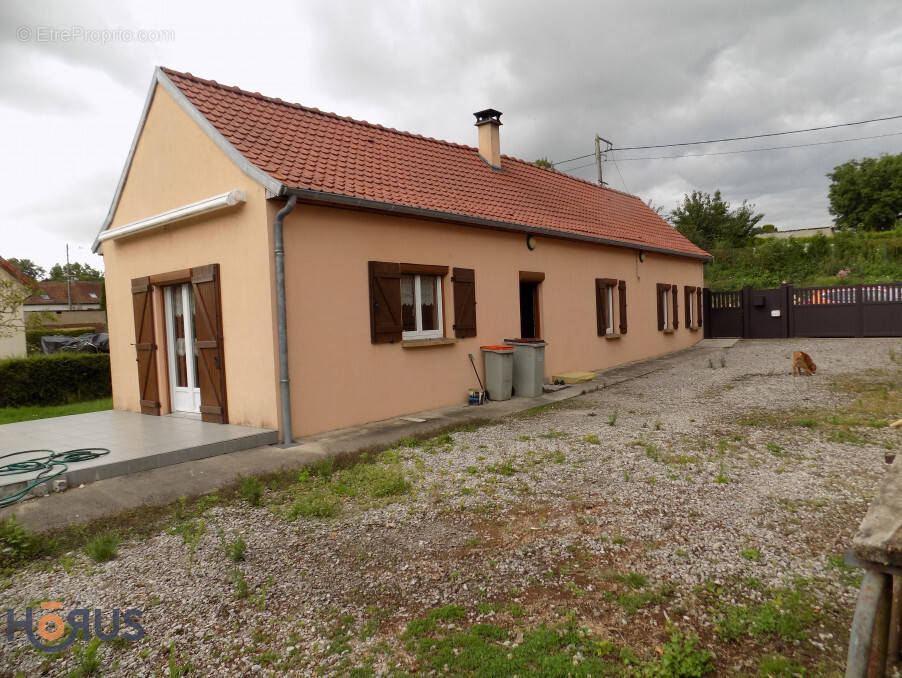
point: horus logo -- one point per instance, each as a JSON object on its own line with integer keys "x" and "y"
{"x": 51, "y": 626}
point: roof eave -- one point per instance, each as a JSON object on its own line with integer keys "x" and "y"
{"x": 349, "y": 202}
{"x": 160, "y": 78}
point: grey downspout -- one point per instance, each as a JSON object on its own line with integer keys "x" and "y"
{"x": 283, "y": 329}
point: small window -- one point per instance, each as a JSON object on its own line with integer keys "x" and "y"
{"x": 93, "y": 295}
{"x": 664, "y": 309}
{"x": 46, "y": 297}
{"x": 667, "y": 307}
{"x": 610, "y": 302}
{"x": 692, "y": 299}
{"x": 421, "y": 306}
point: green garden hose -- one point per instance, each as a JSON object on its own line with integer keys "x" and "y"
{"x": 48, "y": 466}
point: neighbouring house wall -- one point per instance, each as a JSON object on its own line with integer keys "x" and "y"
{"x": 13, "y": 345}
{"x": 70, "y": 318}
{"x": 175, "y": 164}
{"x": 339, "y": 378}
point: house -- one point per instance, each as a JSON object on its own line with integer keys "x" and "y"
{"x": 389, "y": 256}
{"x": 67, "y": 304}
{"x": 13, "y": 284}
{"x": 800, "y": 232}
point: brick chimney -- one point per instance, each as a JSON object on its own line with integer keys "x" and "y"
{"x": 489, "y": 122}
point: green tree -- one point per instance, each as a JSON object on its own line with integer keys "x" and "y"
{"x": 29, "y": 268}
{"x": 710, "y": 222}
{"x": 543, "y": 162}
{"x": 77, "y": 271}
{"x": 12, "y": 295}
{"x": 866, "y": 195}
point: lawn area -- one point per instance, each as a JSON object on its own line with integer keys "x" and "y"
{"x": 8, "y": 415}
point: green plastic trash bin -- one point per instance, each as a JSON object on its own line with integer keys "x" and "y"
{"x": 499, "y": 366}
{"x": 529, "y": 366}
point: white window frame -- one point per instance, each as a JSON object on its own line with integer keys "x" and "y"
{"x": 665, "y": 292}
{"x": 420, "y": 333}
{"x": 610, "y": 303}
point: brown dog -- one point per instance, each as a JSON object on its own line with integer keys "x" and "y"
{"x": 802, "y": 363}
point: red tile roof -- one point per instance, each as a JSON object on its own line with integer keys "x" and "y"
{"x": 310, "y": 149}
{"x": 15, "y": 272}
{"x": 81, "y": 293}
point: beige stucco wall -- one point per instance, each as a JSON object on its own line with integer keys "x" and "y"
{"x": 339, "y": 378}
{"x": 175, "y": 164}
{"x": 12, "y": 341}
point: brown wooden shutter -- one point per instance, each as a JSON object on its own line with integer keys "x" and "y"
{"x": 621, "y": 289}
{"x": 208, "y": 333}
{"x": 687, "y": 302}
{"x": 464, "y": 280}
{"x": 676, "y": 308}
{"x": 385, "y": 302}
{"x": 659, "y": 288}
{"x": 698, "y": 306}
{"x": 601, "y": 303}
{"x": 146, "y": 349}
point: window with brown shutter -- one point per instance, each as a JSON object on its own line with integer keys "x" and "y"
{"x": 604, "y": 306}
{"x": 676, "y": 308}
{"x": 385, "y": 302}
{"x": 665, "y": 316}
{"x": 621, "y": 293}
{"x": 690, "y": 299}
{"x": 145, "y": 347}
{"x": 464, "y": 282}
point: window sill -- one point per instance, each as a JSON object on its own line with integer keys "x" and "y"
{"x": 424, "y": 343}
{"x": 668, "y": 330}
{"x": 612, "y": 335}
{"x": 694, "y": 328}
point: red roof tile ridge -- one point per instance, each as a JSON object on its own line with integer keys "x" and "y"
{"x": 16, "y": 273}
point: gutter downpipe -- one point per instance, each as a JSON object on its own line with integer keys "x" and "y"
{"x": 283, "y": 328}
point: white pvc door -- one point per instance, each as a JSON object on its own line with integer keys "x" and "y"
{"x": 182, "y": 349}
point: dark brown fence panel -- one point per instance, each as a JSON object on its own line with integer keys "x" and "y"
{"x": 882, "y": 312}
{"x": 724, "y": 314}
{"x": 826, "y": 312}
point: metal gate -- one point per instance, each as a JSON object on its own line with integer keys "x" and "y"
{"x": 873, "y": 310}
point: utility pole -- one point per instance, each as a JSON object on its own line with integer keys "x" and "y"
{"x": 599, "y": 155}
{"x": 68, "y": 277}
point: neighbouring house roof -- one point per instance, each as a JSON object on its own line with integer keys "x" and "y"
{"x": 16, "y": 273}
{"x": 51, "y": 292}
{"x": 324, "y": 157}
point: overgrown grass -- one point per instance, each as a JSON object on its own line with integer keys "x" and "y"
{"x": 9, "y": 415}
{"x": 784, "y": 613}
{"x": 102, "y": 548}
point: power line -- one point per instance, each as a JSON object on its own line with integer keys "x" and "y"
{"x": 758, "y": 150}
{"x": 753, "y": 136}
{"x": 759, "y": 136}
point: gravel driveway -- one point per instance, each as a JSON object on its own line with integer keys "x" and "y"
{"x": 693, "y": 498}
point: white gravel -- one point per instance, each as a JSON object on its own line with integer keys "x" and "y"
{"x": 674, "y": 489}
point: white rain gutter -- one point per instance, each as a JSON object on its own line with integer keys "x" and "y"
{"x": 217, "y": 202}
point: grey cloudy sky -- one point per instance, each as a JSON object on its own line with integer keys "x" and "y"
{"x": 634, "y": 72}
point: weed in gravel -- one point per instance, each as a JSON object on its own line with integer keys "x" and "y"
{"x": 651, "y": 451}
{"x": 592, "y": 439}
{"x": 776, "y": 450}
{"x": 523, "y": 439}
{"x": 785, "y": 613}
{"x": 778, "y": 666}
{"x": 234, "y": 548}
{"x": 633, "y": 579}
{"x": 721, "y": 475}
{"x": 239, "y": 583}
{"x": 87, "y": 661}
{"x": 317, "y": 503}
{"x": 612, "y": 421}
{"x": 723, "y": 359}
{"x": 176, "y": 668}
{"x": 618, "y": 540}
{"x": 754, "y": 555}
{"x": 504, "y": 468}
{"x": 554, "y": 434}
{"x": 658, "y": 425}
{"x": 626, "y": 475}
{"x": 324, "y": 468}
{"x": 250, "y": 489}
{"x": 681, "y": 658}
{"x": 102, "y": 548}
{"x": 710, "y": 363}
{"x": 847, "y": 575}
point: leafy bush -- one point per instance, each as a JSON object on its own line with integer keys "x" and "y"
{"x": 16, "y": 543}
{"x": 33, "y": 337}
{"x": 54, "y": 379}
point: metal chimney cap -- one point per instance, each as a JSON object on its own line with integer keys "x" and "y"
{"x": 488, "y": 115}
